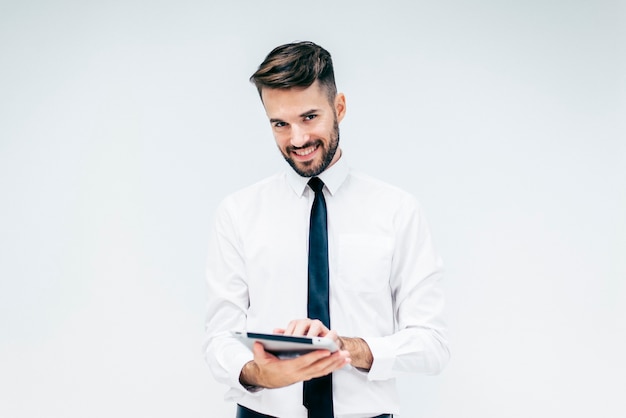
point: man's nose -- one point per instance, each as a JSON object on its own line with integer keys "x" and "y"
{"x": 299, "y": 136}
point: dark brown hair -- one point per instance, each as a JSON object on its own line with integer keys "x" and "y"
{"x": 296, "y": 64}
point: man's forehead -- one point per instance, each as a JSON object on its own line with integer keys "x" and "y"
{"x": 295, "y": 100}
{"x": 312, "y": 90}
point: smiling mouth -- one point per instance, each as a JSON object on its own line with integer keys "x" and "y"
{"x": 303, "y": 152}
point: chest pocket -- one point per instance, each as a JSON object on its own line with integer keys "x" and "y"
{"x": 364, "y": 261}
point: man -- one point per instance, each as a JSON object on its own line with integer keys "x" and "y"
{"x": 381, "y": 297}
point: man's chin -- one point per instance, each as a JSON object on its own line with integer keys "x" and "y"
{"x": 305, "y": 169}
{"x": 308, "y": 172}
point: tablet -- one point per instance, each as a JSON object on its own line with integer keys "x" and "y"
{"x": 286, "y": 346}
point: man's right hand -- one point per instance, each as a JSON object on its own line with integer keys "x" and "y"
{"x": 268, "y": 371}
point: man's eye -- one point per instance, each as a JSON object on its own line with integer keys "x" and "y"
{"x": 310, "y": 117}
{"x": 279, "y": 124}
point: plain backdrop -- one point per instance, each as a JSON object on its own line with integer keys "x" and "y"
{"x": 124, "y": 123}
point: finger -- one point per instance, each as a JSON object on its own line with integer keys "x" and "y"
{"x": 257, "y": 348}
{"x": 290, "y": 327}
{"x": 345, "y": 354}
{"x": 335, "y": 337}
{"x": 278, "y": 330}
{"x": 316, "y": 329}
{"x": 297, "y": 327}
{"x": 260, "y": 354}
{"x": 336, "y": 360}
{"x": 301, "y": 327}
{"x": 339, "y": 360}
{"x": 327, "y": 365}
{"x": 306, "y": 360}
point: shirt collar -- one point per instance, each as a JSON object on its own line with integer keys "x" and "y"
{"x": 333, "y": 177}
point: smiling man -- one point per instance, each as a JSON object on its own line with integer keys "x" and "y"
{"x": 309, "y": 139}
{"x": 320, "y": 250}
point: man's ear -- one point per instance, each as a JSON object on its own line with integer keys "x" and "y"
{"x": 340, "y": 106}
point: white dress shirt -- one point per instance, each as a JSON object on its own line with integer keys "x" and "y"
{"x": 384, "y": 285}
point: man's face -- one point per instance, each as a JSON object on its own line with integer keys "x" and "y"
{"x": 306, "y": 126}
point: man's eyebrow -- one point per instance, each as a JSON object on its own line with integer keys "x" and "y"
{"x": 309, "y": 112}
{"x": 302, "y": 115}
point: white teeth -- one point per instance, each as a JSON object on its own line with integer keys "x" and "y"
{"x": 305, "y": 152}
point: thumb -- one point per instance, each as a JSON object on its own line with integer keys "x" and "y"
{"x": 258, "y": 349}
{"x": 259, "y": 352}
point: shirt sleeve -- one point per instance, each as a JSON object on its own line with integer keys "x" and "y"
{"x": 227, "y": 304}
{"x": 419, "y": 344}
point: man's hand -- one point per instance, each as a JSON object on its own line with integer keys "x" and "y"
{"x": 268, "y": 371}
{"x": 360, "y": 354}
{"x": 308, "y": 328}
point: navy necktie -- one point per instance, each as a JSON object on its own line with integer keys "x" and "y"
{"x": 318, "y": 392}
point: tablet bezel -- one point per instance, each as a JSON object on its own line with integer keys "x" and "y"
{"x": 286, "y": 346}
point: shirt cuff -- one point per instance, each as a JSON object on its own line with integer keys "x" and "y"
{"x": 237, "y": 390}
{"x": 384, "y": 359}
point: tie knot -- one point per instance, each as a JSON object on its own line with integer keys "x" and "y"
{"x": 316, "y": 184}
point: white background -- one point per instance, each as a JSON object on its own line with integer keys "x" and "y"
{"x": 123, "y": 123}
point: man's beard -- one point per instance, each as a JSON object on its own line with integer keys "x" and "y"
{"x": 311, "y": 170}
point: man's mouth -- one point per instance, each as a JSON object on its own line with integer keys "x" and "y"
{"x": 303, "y": 152}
